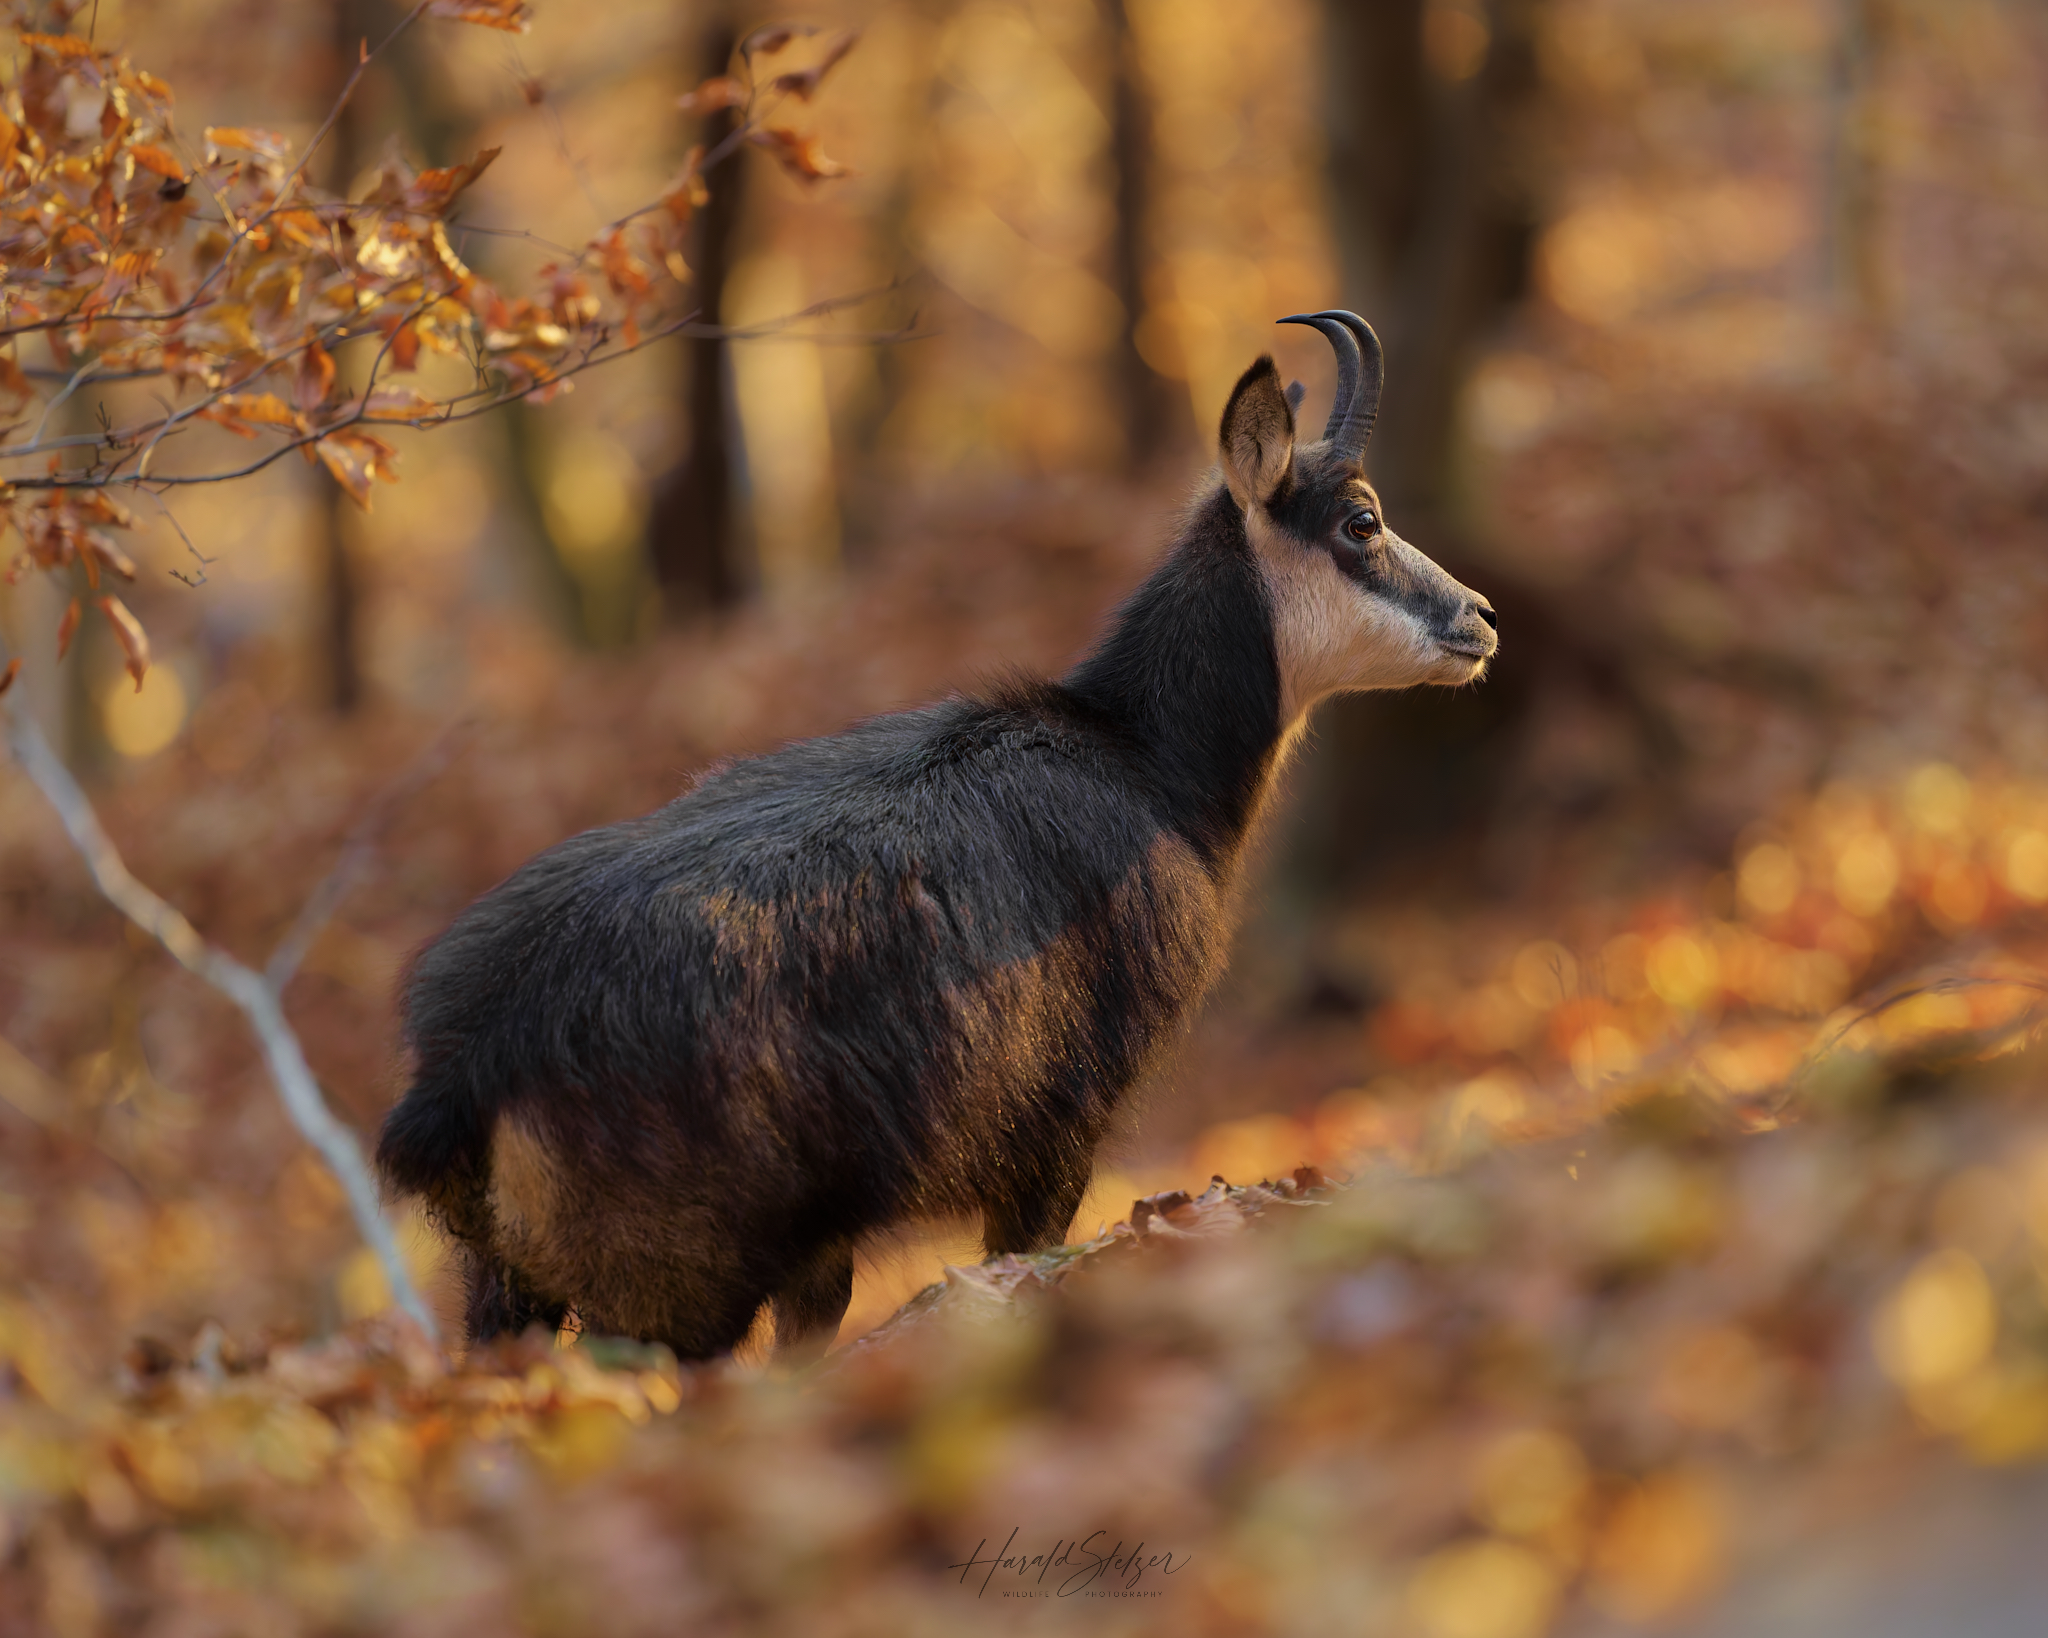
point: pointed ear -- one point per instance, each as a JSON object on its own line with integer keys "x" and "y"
{"x": 1258, "y": 436}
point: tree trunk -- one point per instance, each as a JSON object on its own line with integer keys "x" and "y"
{"x": 690, "y": 533}
{"x": 335, "y": 633}
{"x": 1155, "y": 410}
{"x": 1855, "y": 219}
{"x": 1435, "y": 219}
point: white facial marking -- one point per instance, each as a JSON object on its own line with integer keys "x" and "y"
{"x": 1333, "y": 636}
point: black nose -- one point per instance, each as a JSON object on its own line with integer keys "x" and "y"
{"x": 1486, "y": 614}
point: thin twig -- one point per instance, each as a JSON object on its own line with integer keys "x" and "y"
{"x": 198, "y": 557}
{"x": 495, "y": 398}
{"x": 356, "y": 854}
{"x": 246, "y": 988}
{"x": 70, "y": 387}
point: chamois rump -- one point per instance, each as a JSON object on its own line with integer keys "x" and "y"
{"x": 675, "y": 1068}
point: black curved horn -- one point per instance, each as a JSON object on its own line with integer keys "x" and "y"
{"x": 1361, "y": 370}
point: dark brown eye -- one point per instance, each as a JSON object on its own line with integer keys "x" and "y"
{"x": 1363, "y": 525}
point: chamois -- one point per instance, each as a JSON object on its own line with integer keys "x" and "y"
{"x": 674, "y": 1068}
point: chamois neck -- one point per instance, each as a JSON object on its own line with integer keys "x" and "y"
{"x": 1188, "y": 668}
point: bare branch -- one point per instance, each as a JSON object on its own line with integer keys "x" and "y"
{"x": 77, "y": 380}
{"x": 356, "y": 854}
{"x": 247, "y": 989}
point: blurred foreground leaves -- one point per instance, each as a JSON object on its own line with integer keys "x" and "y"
{"x": 1590, "y": 1377}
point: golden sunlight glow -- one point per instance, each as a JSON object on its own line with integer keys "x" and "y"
{"x": 1484, "y": 1589}
{"x": 140, "y": 723}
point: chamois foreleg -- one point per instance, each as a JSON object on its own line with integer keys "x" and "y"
{"x": 500, "y": 1303}
{"x": 1031, "y": 1212}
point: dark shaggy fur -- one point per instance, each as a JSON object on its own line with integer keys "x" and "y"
{"x": 677, "y": 1067}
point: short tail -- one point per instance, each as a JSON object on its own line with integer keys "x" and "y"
{"x": 437, "y": 1147}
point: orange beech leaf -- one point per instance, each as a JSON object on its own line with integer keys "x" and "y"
{"x": 803, "y": 84}
{"x": 546, "y": 385}
{"x": 97, "y": 506}
{"x": 152, "y": 158}
{"x": 67, "y": 628}
{"x": 802, "y": 156}
{"x": 98, "y": 546}
{"x": 405, "y": 348}
{"x": 354, "y": 457}
{"x": 720, "y": 91}
{"x": 399, "y": 404}
{"x": 58, "y": 45}
{"x": 432, "y": 192}
{"x": 264, "y": 144}
{"x": 7, "y": 677}
{"x": 302, "y": 227}
{"x": 265, "y": 408}
{"x": 315, "y": 378}
{"x": 622, "y": 270}
{"x": 688, "y": 192}
{"x": 511, "y": 15}
{"x": 133, "y": 639}
{"x": 10, "y": 141}
{"x": 123, "y": 274}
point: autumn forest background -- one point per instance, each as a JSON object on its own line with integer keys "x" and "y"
{"x": 1657, "y": 1021}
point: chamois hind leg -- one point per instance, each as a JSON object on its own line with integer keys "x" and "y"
{"x": 810, "y": 1306}
{"x": 500, "y": 1302}
{"x": 1033, "y": 1214}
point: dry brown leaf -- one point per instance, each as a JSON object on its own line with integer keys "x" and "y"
{"x": 803, "y": 84}
{"x": 432, "y": 192}
{"x": 265, "y": 145}
{"x": 58, "y": 45}
{"x": 98, "y": 546}
{"x": 128, "y": 632}
{"x": 399, "y": 404}
{"x": 513, "y": 16}
{"x": 7, "y": 677}
{"x": 720, "y": 91}
{"x": 315, "y": 377}
{"x": 14, "y": 382}
{"x": 800, "y": 155}
{"x": 241, "y": 413}
{"x": 160, "y": 160}
{"x": 355, "y": 457}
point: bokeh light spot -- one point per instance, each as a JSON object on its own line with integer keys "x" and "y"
{"x": 1484, "y": 1589}
{"x": 141, "y": 722}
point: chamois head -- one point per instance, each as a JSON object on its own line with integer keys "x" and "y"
{"x": 1354, "y": 605}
